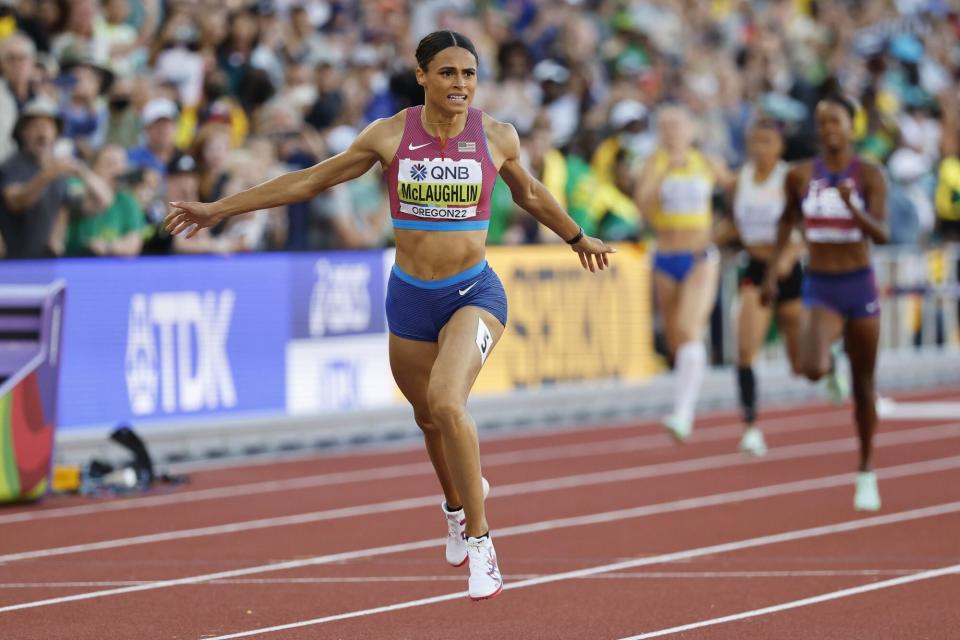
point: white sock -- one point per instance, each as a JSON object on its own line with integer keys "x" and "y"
{"x": 690, "y": 364}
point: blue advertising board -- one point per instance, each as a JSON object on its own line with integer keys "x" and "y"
{"x": 155, "y": 339}
{"x": 337, "y": 294}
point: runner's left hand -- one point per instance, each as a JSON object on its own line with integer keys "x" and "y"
{"x": 593, "y": 253}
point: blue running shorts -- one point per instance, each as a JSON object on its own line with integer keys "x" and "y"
{"x": 419, "y": 309}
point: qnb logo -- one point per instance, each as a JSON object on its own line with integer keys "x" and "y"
{"x": 418, "y": 172}
{"x": 340, "y": 300}
{"x": 177, "y": 352}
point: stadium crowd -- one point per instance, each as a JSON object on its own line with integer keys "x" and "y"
{"x": 111, "y": 108}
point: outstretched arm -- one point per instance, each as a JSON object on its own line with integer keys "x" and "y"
{"x": 295, "y": 186}
{"x": 531, "y": 195}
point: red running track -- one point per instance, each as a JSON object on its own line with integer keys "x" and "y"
{"x": 602, "y": 532}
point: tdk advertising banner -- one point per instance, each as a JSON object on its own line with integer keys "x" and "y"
{"x": 165, "y": 338}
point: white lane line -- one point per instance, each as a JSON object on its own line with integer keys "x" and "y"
{"x": 738, "y": 545}
{"x": 620, "y": 515}
{"x": 830, "y": 447}
{"x": 521, "y": 456}
{"x": 636, "y": 575}
{"x": 805, "y": 602}
{"x": 891, "y": 409}
{"x": 727, "y": 417}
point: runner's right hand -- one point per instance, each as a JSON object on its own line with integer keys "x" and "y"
{"x": 769, "y": 289}
{"x": 189, "y": 217}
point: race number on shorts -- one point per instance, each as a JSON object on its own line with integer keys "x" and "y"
{"x": 484, "y": 340}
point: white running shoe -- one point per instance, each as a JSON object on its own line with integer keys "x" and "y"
{"x": 753, "y": 443}
{"x": 836, "y": 383}
{"x": 485, "y": 580}
{"x": 678, "y": 427}
{"x": 867, "y": 497}
{"x": 456, "y": 534}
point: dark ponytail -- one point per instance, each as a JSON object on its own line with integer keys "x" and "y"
{"x": 434, "y": 43}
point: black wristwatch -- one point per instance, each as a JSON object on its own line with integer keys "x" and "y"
{"x": 577, "y": 238}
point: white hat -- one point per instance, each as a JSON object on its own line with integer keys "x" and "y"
{"x": 626, "y": 111}
{"x": 550, "y": 71}
{"x": 158, "y": 109}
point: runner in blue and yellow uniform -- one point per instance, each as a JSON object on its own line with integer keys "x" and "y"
{"x": 446, "y": 308}
{"x": 674, "y": 193}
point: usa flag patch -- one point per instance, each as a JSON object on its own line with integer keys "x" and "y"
{"x": 467, "y": 147}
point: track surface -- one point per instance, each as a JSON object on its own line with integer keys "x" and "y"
{"x": 602, "y": 532}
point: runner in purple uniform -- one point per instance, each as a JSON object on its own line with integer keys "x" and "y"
{"x": 840, "y": 200}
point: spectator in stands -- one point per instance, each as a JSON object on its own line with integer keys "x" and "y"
{"x": 948, "y": 177}
{"x": 630, "y": 134}
{"x": 159, "y": 122}
{"x": 35, "y": 198}
{"x": 18, "y": 17}
{"x": 17, "y": 58}
{"x": 177, "y": 59}
{"x": 84, "y": 112}
{"x": 558, "y": 100}
{"x": 211, "y": 150}
{"x": 79, "y": 33}
{"x": 116, "y": 230}
{"x": 123, "y": 121}
{"x": 126, "y": 44}
{"x": 516, "y": 96}
{"x": 327, "y": 109}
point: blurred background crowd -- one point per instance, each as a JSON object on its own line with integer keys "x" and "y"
{"x": 111, "y": 108}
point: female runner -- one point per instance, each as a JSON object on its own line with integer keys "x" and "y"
{"x": 758, "y": 203}
{"x": 674, "y": 192}
{"x": 446, "y": 308}
{"x": 841, "y": 201}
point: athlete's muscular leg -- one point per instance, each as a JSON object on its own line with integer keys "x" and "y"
{"x": 695, "y": 301}
{"x": 667, "y": 291}
{"x": 411, "y": 362}
{"x": 824, "y": 326}
{"x": 790, "y": 318}
{"x": 860, "y": 340}
{"x": 456, "y": 367}
{"x": 752, "y": 324}
{"x": 698, "y": 293}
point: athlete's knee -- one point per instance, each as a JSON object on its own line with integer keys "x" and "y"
{"x": 446, "y": 409}
{"x": 863, "y": 391}
{"x": 425, "y": 422}
{"x": 815, "y": 370}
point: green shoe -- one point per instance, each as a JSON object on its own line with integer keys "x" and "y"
{"x": 837, "y": 387}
